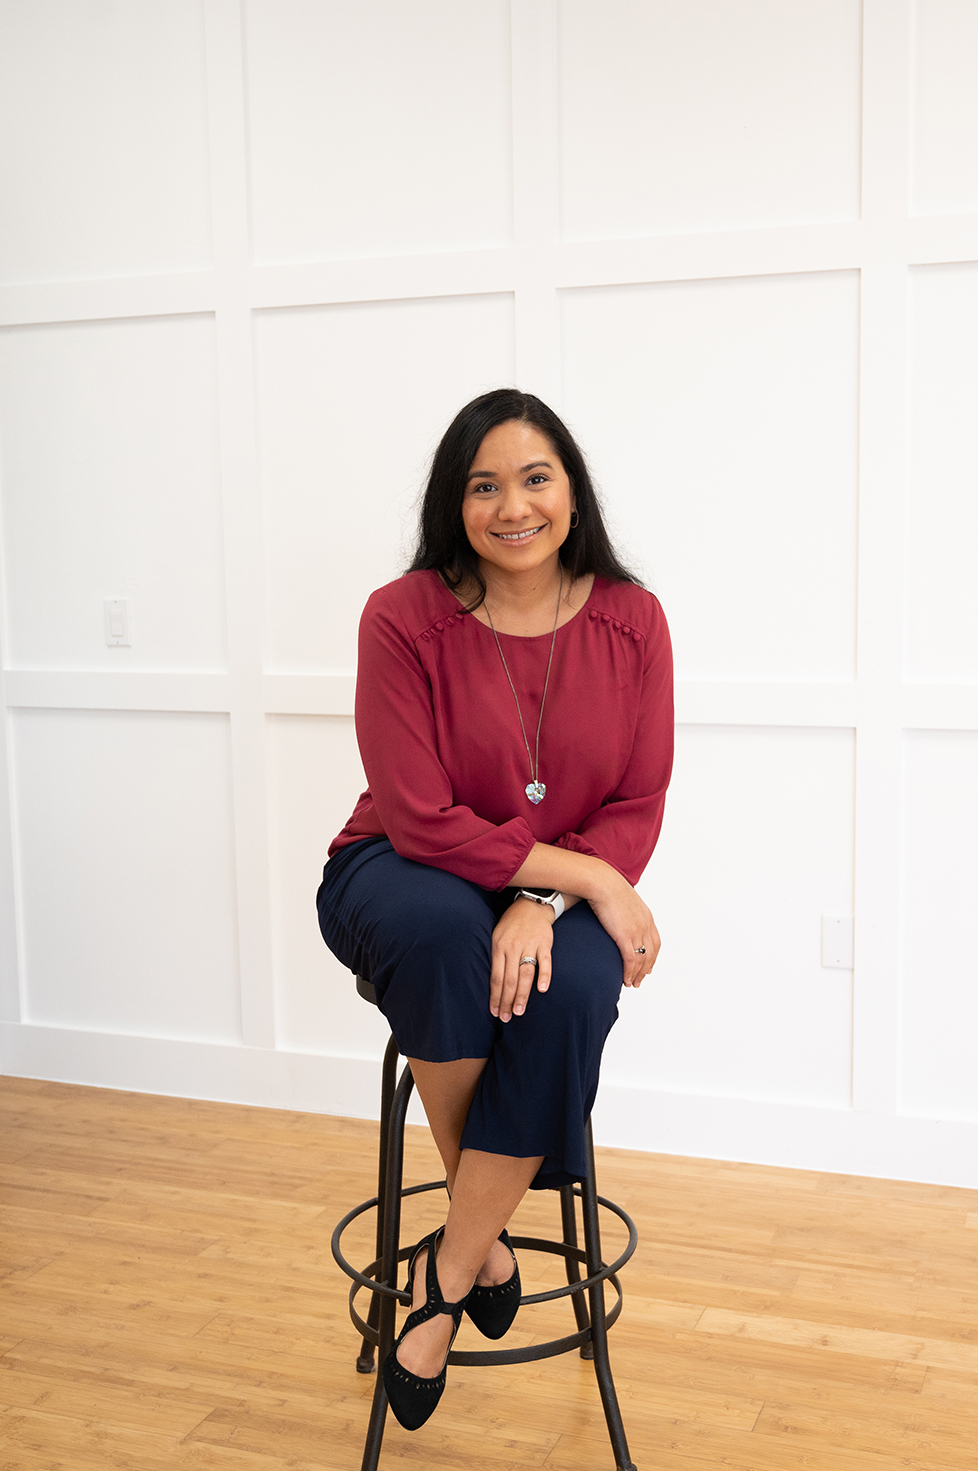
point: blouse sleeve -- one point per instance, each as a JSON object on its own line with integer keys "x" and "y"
{"x": 408, "y": 784}
{"x": 624, "y": 829}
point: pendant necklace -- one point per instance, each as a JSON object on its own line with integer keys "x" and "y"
{"x": 535, "y": 789}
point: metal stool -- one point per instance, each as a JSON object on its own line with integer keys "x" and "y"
{"x": 380, "y": 1277}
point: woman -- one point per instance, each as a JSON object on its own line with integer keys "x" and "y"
{"x": 514, "y": 715}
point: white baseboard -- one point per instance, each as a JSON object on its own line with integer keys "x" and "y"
{"x": 836, "y": 1140}
{"x": 224, "y": 1073}
{"x": 839, "y": 1141}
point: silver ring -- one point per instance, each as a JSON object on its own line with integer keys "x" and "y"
{"x": 529, "y": 960}
{"x": 640, "y": 950}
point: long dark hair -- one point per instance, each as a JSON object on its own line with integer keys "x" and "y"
{"x": 442, "y": 543}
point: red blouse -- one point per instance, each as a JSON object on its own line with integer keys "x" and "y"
{"x": 440, "y": 737}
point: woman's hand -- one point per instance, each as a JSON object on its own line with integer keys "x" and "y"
{"x": 629, "y": 922}
{"x": 525, "y": 929}
{"x": 618, "y": 907}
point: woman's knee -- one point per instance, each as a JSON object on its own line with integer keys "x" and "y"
{"x": 579, "y": 998}
{"x": 587, "y": 972}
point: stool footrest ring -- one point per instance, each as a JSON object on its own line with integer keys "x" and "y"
{"x": 524, "y": 1243}
{"x": 608, "y": 1272}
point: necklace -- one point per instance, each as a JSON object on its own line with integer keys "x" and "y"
{"x": 535, "y": 789}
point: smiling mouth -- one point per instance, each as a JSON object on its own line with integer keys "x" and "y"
{"x": 514, "y": 537}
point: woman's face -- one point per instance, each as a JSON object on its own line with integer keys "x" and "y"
{"x": 518, "y": 499}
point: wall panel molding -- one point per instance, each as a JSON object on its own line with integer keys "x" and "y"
{"x": 244, "y": 578}
{"x": 11, "y": 967}
{"x": 883, "y": 353}
{"x": 699, "y": 256}
{"x": 715, "y": 702}
{"x": 128, "y": 690}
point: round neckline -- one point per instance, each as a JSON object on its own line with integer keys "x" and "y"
{"x": 527, "y": 638}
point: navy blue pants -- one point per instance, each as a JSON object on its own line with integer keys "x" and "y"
{"x": 424, "y": 938}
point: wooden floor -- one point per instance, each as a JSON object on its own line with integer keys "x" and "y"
{"x": 168, "y": 1301}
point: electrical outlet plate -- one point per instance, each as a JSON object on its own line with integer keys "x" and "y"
{"x": 837, "y": 942}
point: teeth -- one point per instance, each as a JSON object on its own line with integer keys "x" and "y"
{"x": 517, "y": 535}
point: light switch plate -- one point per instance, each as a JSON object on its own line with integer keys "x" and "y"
{"x": 118, "y": 630}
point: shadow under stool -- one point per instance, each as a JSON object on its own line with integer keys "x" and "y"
{"x": 380, "y": 1276}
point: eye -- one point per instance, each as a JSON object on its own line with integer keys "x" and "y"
{"x": 486, "y": 485}
{"x": 537, "y": 479}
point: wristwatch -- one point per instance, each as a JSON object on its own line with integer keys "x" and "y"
{"x": 544, "y": 896}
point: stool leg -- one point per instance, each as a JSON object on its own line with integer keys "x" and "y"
{"x": 392, "y": 1234}
{"x": 568, "y": 1221}
{"x": 599, "y": 1331}
{"x": 365, "y": 1358}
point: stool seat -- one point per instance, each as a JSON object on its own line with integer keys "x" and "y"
{"x": 380, "y": 1275}
{"x": 366, "y": 990}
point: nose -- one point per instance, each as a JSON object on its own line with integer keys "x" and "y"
{"x": 513, "y": 504}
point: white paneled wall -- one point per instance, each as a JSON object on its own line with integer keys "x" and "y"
{"x": 111, "y": 488}
{"x": 126, "y": 872}
{"x": 945, "y": 107}
{"x": 378, "y": 129}
{"x": 759, "y": 845}
{"x": 103, "y": 115}
{"x": 347, "y": 426}
{"x": 253, "y": 257}
{"x": 707, "y": 116}
{"x": 313, "y": 768}
{"x": 942, "y": 514}
{"x": 738, "y": 454}
{"x": 940, "y": 999}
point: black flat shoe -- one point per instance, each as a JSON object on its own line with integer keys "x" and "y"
{"x": 492, "y": 1309}
{"x": 412, "y": 1398}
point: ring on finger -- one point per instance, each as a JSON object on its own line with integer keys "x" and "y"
{"x": 529, "y": 960}
{"x": 639, "y": 950}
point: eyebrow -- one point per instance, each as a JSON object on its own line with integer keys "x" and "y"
{"x": 488, "y": 475}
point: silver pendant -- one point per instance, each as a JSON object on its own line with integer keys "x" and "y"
{"x": 536, "y": 791}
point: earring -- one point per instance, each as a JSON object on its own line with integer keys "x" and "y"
{"x": 575, "y": 517}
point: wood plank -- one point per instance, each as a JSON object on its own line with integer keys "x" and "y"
{"x": 26, "y": 1308}
{"x": 45, "y": 1442}
{"x": 199, "y": 1209}
{"x": 87, "y": 1235}
{"x": 949, "y": 1442}
{"x": 21, "y": 1187}
{"x": 264, "y": 1433}
{"x": 953, "y": 1388}
{"x": 90, "y": 1398}
{"x": 679, "y": 1451}
{"x": 837, "y": 1338}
